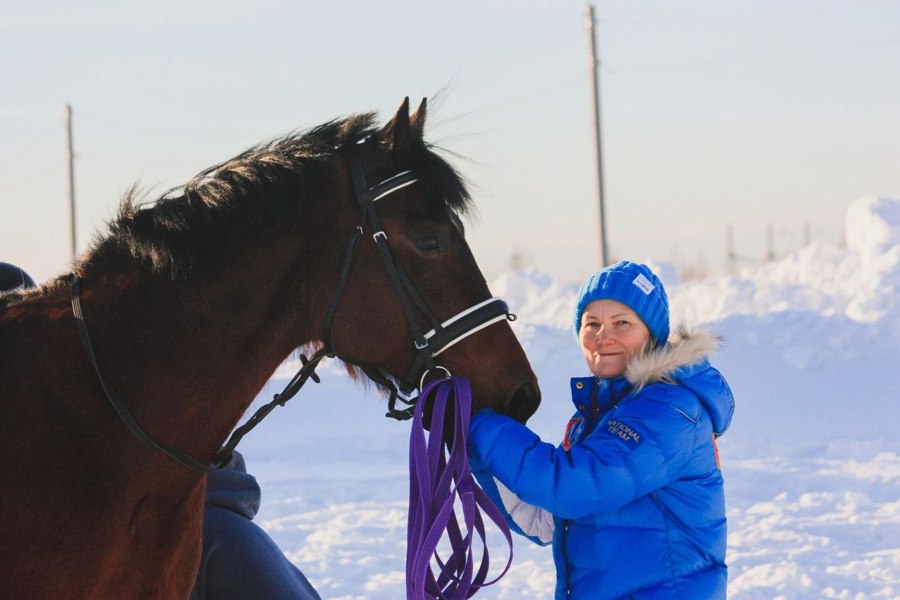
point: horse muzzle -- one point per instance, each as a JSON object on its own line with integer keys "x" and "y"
{"x": 524, "y": 402}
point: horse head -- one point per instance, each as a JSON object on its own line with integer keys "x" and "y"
{"x": 414, "y": 277}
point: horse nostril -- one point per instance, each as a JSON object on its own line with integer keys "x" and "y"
{"x": 523, "y": 402}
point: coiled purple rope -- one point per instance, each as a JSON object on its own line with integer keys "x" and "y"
{"x": 435, "y": 482}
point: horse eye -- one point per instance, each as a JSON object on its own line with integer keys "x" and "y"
{"x": 428, "y": 243}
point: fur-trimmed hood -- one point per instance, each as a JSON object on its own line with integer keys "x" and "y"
{"x": 686, "y": 348}
{"x": 685, "y": 361}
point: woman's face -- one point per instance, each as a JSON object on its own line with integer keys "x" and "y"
{"x": 611, "y": 334}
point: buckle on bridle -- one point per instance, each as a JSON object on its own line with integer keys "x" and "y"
{"x": 427, "y": 371}
{"x": 408, "y": 399}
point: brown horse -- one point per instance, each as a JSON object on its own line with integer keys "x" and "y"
{"x": 192, "y": 301}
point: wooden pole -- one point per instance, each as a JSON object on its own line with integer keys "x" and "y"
{"x": 70, "y": 160}
{"x": 595, "y": 90}
{"x": 732, "y": 255}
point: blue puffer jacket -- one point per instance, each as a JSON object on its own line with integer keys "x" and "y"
{"x": 633, "y": 500}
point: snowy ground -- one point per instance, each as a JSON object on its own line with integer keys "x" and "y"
{"x": 812, "y": 461}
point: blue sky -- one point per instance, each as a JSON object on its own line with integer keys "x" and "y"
{"x": 714, "y": 112}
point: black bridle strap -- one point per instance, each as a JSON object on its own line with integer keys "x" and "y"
{"x": 468, "y": 322}
{"x": 223, "y": 456}
{"x": 395, "y": 394}
{"x": 365, "y": 194}
{"x": 417, "y": 300}
{"x": 306, "y": 372}
{"x": 366, "y": 199}
{"x": 393, "y": 271}
{"x": 342, "y": 280}
{"x": 123, "y": 412}
{"x": 455, "y": 329}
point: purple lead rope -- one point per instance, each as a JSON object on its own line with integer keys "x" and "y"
{"x": 435, "y": 482}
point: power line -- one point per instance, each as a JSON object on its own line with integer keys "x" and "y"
{"x": 537, "y": 94}
{"x": 18, "y": 183}
{"x": 732, "y": 61}
{"x": 166, "y": 132}
{"x": 684, "y": 19}
{"x": 37, "y": 141}
{"x": 517, "y": 62}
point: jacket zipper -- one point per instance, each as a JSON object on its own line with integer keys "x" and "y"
{"x": 565, "y": 557}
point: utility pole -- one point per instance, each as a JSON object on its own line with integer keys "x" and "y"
{"x": 595, "y": 88}
{"x": 732, "y": 255}
{"x": 70, "y": 159}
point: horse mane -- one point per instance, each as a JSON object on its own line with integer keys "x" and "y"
{"x": 266, "y": 184}
{"x": 203, "y": 218}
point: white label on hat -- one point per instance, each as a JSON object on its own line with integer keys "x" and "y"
{"x": 643, "y": 283}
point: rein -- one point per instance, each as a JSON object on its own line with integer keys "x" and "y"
{"x": 436, "y": 482}
{"x": 123, "y": 412}
{"x": 427, "y": 344}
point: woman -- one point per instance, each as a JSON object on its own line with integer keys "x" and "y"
{"x": 633, "y": 499}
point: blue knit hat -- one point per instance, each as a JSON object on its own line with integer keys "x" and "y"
{"x": 635, "y": 286}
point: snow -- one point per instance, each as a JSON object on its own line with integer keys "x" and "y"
{"x": 811, "y": 462}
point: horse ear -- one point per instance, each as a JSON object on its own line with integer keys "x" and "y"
{"x": 398, "y": 134}
{"x": 417, "y": 121}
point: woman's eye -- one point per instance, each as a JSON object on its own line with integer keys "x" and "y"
{"x": 428, "y": 243}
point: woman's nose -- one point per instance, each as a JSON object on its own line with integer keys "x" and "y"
{"x": 603, "y": 336}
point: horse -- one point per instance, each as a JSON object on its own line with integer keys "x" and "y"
{"x": 180, "y": 312}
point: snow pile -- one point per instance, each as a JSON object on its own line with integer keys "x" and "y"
{"x": 873, "y": 232}
{"x": 860, "y": 282}
{"x": 812, "y": 461}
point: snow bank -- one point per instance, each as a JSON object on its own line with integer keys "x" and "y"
{"x": 859, "y": 282}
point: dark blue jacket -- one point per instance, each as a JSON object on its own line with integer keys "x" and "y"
{"x": 633, "y": 499}
{"x": 240, "y": 560}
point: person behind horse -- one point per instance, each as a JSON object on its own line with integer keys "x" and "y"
{"x": 632, "y": 500}
{"x": 239, "y": 559}
{"x": 13, "y": 278}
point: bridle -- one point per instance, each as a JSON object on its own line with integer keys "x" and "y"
{"x": 428, "y": 344}
{"x": 442, "y": 335}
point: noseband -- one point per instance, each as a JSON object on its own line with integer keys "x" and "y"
{"x": 428, "y": 345}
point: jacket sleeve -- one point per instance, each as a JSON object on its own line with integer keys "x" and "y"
{"x": 644, "y": 445}
{"x": 240, "y": 560}
{"x": 532, "y": 522}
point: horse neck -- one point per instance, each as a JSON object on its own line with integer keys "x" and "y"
{"x": 188, "y": 358}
